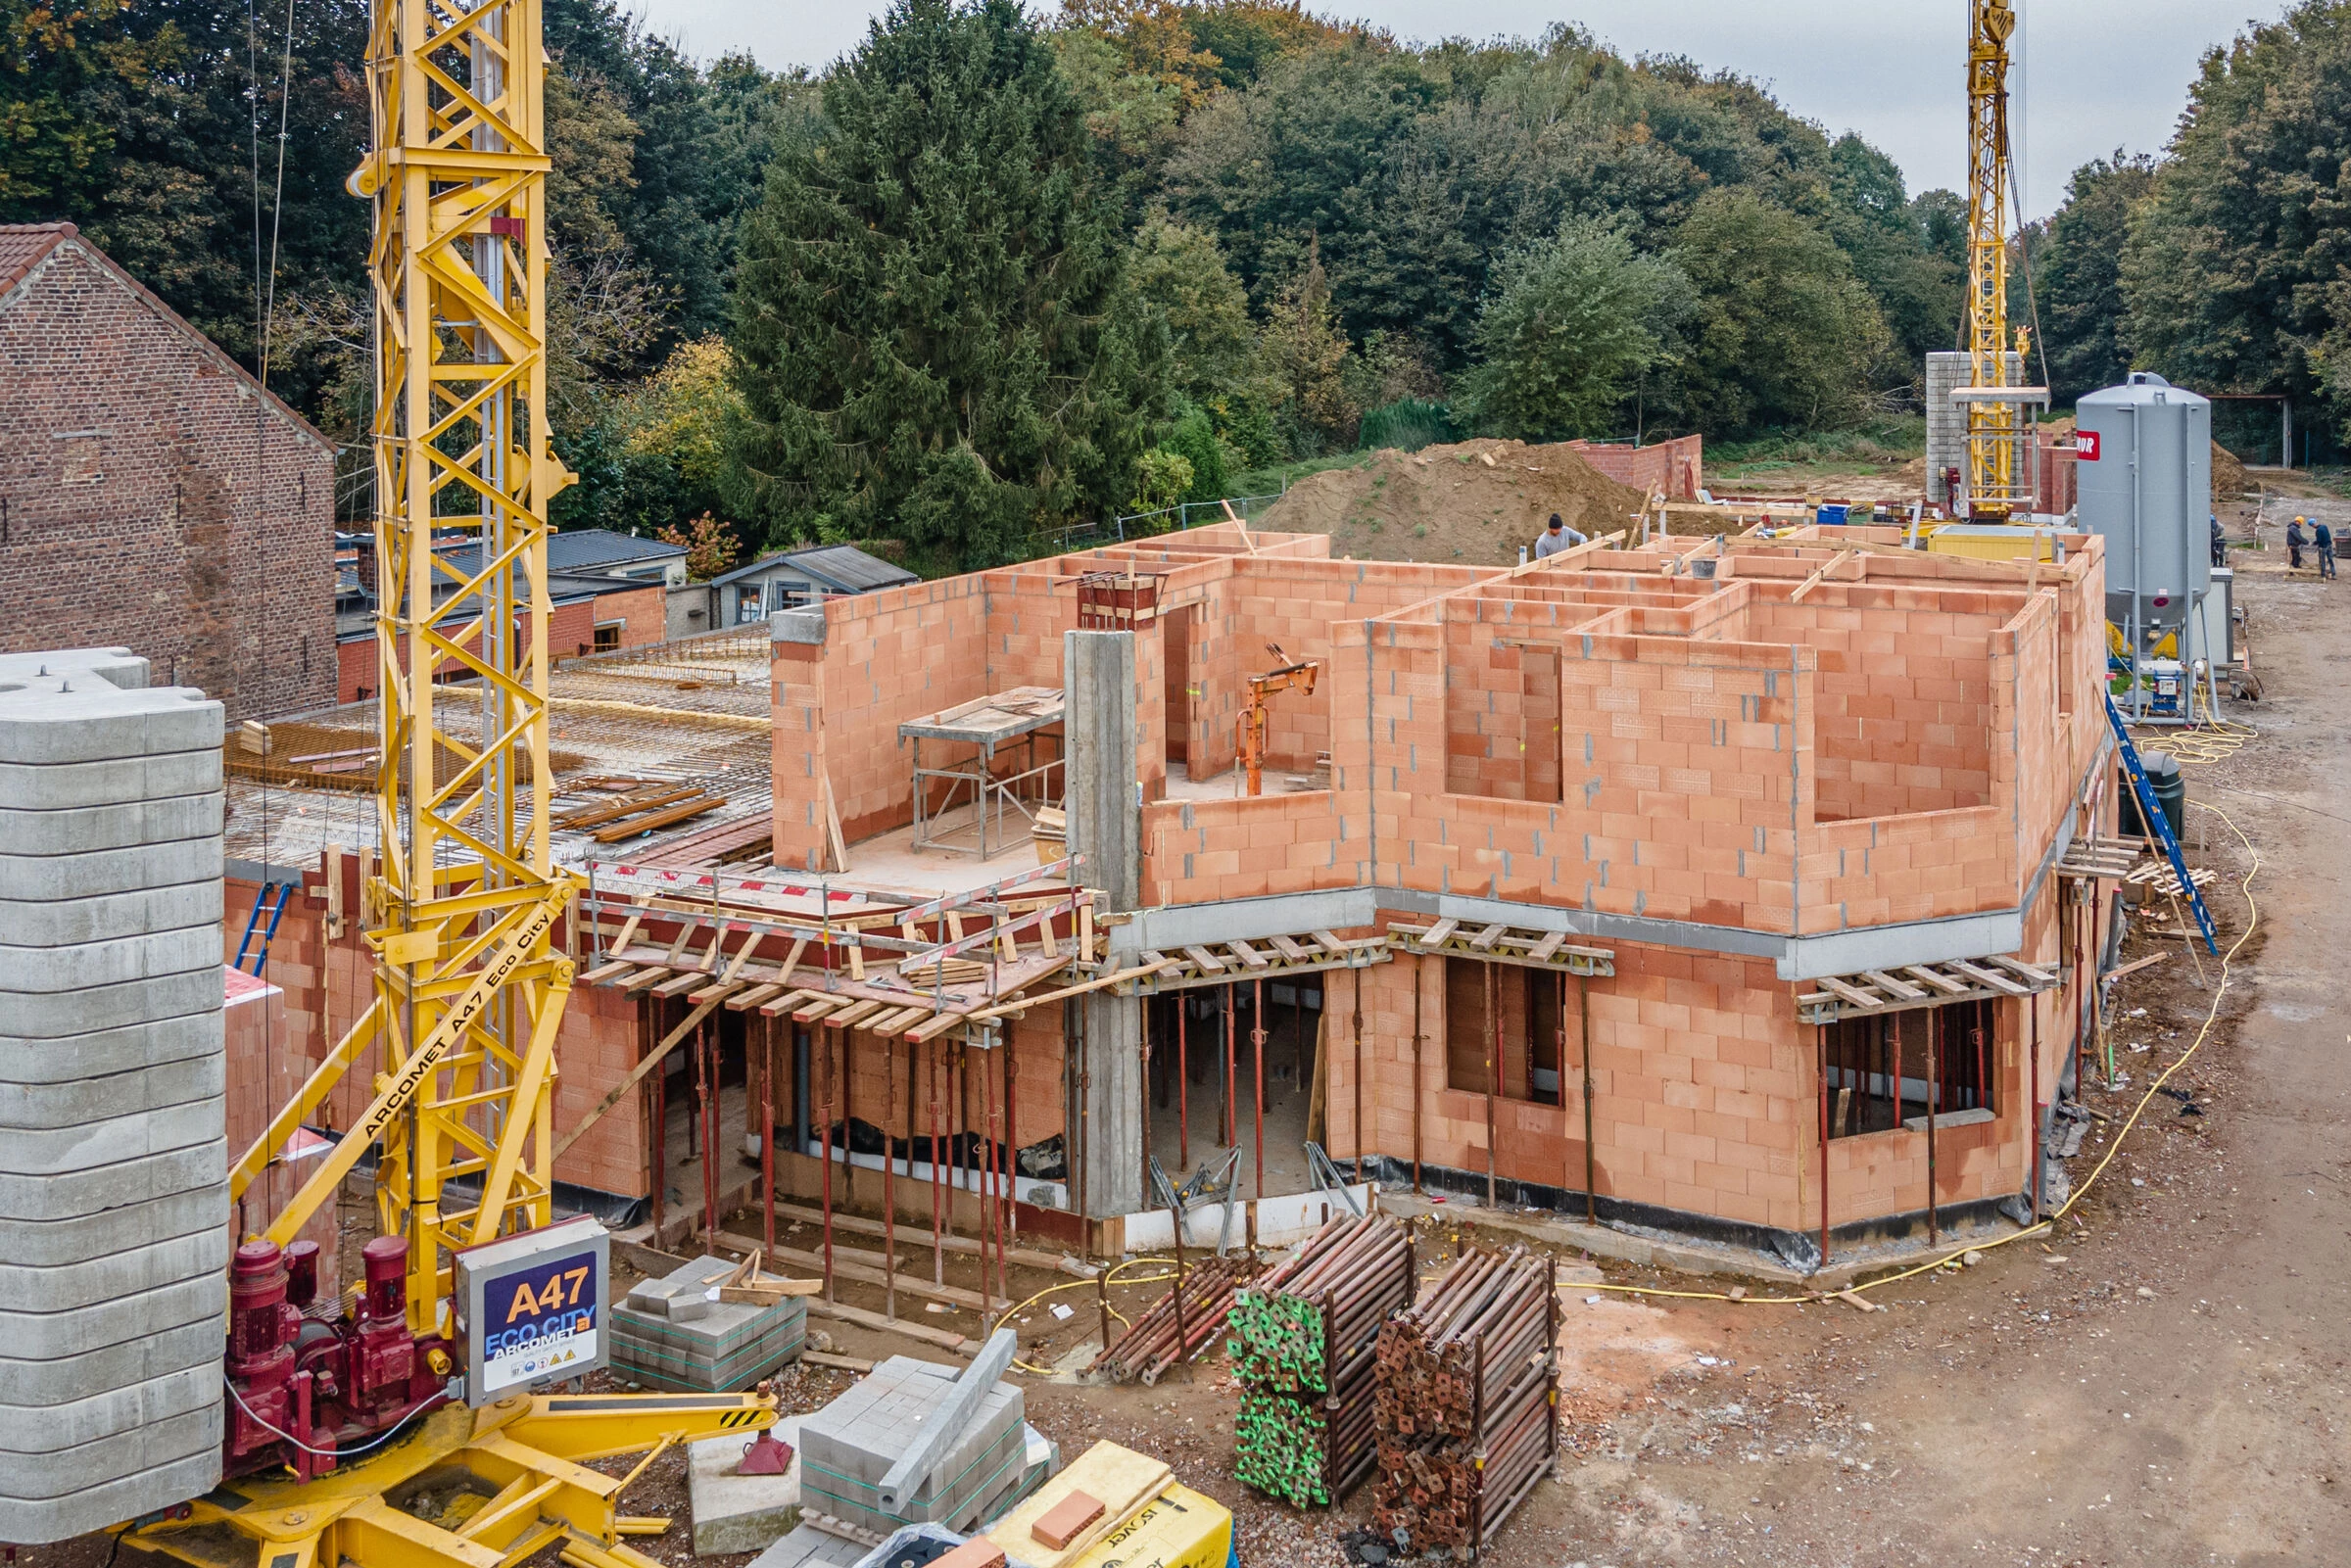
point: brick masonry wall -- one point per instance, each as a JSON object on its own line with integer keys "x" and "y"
{"x": 156, "y": 500}
{"x": 1673, "y": 467}
{"x": 355, "y": 674}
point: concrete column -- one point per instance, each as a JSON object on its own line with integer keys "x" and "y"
{"x": 114, "y": 1194}
{"x": 1104, "y": 801}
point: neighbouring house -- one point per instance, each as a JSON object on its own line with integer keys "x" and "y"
{"x": 153, "y": 494}
{"x": 796, "y": 576}
{"x": 608, "y": 592}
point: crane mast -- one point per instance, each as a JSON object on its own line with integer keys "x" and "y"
{"x": 1997, "y": 426}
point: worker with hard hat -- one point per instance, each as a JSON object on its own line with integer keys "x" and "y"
{"x": 2294, "y": 541}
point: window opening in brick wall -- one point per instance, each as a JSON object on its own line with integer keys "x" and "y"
{"x": 1503, "y": 727}
{"x": 1526, "y": 1005}
{"x": 1175, "y": 634}
{"x": 608, "y": 636}
{"x": 1867, "y": 1057}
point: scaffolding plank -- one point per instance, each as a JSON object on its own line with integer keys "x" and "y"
{"x": 714, "y": 991}
{"x": 785, "y": 1003}
{"x": 847, "y": 1016}
{"x": 745, "y": 1001}
{"x": 1437, "y": 935}
{"x": 1484, "y": 940}
{"x": 680, "y": 983}
{"x": 1248, "y": 955}
{"x": 645, "y": 978}
{"x": 1209, "y": 962}
{"x": 607, "y": 971}
{"x": 1984, "y": 976}
{"x": 1852, "y": 993}
{"x": 1289, "y": 949}
{"x": 1543, "y": 951}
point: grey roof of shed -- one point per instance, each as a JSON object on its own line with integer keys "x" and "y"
{"x": 844, "y": 567}
{"x": 586, "y": 550}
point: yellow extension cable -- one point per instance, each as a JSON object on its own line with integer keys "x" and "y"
{"x": 2252, "y": 920}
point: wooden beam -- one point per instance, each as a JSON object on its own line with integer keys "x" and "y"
{"x": 1817, "y": 578}
{"x": 653, "y": 1059}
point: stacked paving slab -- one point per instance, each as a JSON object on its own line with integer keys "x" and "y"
{"x": 114, "y": 1195}
{"x": 848, "y": 1446}
{"x": 669, "y": 1334}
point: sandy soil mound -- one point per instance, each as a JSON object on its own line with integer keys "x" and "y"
{"x": 1476, "y": 502}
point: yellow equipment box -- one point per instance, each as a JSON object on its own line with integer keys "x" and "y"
{"x": 1992, "y": 541}
{"x": 1178, "y": 1528}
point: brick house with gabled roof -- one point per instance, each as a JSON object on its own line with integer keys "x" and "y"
{"x": 153, "y": 494}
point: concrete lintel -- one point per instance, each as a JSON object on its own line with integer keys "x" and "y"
{"x": 1174, "y": 927}
{"x": 1879, "y": 947}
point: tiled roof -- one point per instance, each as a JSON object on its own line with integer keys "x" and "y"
{"x": 24, "y": 243}
{"x": 844, "y": 566}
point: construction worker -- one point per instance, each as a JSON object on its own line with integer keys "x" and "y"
{"x": 2294, "y": 541}
{"x": 2323, "y": 537}
{"x": 2220, "y": 545}
{"x": 1556, "y": 537}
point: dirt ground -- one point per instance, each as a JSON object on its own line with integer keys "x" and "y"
{"x": 1477, "y": 502}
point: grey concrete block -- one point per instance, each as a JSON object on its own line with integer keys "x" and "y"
{"x": 131, "y": 1271}
{"x": 77, "y": 831}
{"x": 678, "y": 1300}
{"x": 110, "y": 1007}
{"x": 108, "y": 1413}
{"x": 78, "y": 716}
{"x": 59, "y": 1472}
{"x": 109, "y": 1502}
{"x": 69, "y": 787}
{"x": 52, "y": 1242}
{"x": 133, "y": 1181}
{"x": 54, "y": 1335}
{"x": 112, "y": 917}
{"x": 113, "y": 1094}
{"x": 57, "y": 1151}
{"x": 741, "y": 1512}
{"x": 99, "y": 871}
{"x": 29, "y": 1383}
{"x": 125, "y": 961}
{"x": 810, "y": 1548}
{"x": 98, "y": 1053}
{"x": 118, "y": 666}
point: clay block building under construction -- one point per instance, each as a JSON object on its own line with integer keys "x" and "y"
{"x": 1675, "y": 884}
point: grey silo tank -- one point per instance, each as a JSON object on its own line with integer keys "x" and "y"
{"x": 2148, "y": 493}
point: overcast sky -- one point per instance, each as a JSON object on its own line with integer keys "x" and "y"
{"x": 2092, "y": 74}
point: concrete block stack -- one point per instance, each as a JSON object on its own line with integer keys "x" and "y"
{"x": 849, "y": 1448}
{"x": 669, "y": 1333}
{"x": 114, "y": 1201}
{"x": 1946, "y": 420}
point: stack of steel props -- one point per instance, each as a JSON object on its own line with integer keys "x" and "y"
{"x": 1468, "y": 1401}
{"x": 1148, "y": 1349}
{"x": 1301, "y": 1337}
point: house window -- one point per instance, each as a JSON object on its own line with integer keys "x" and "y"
{"x": 1523, "y": 1009}
{"x": 1883, "y": 1068}
{"x": 608, "y": 636}
{"x": 746, "y": 605}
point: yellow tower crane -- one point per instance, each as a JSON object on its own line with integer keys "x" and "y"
{"x": 1998, "y": 425}
{"x": 329, "y": 1433}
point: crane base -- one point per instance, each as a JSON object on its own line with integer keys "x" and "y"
{"x": 464, "y": 1488}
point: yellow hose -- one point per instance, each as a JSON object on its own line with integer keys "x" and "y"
{"x": 2212, "y": 1017}
{"x": 1111, "y": 1278}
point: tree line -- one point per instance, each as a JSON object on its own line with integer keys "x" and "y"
{"x": 2220, "y": 263}
{"x": 998, "y": 272}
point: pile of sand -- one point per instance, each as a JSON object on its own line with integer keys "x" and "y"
{"x": 1474, "y": 502}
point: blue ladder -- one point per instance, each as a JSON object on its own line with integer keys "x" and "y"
{"x": 261, "y": 957}
{"x": 2152, "y": 815}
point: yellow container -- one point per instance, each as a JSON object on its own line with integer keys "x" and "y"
{"x": 1178, "y": 1528}
{"x": 1991, "y": 542}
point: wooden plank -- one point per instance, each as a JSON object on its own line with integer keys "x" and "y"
{"x": 768, "y": 1292}
{"x": 597, "y": 816}
{"x": 666, "y": 816}
{"x": 745, "y": 1001}
{"x": 678, "y": 983}
{"x": 898, "y": 1020}
{"x": 605, "y": 972}
{"x": 1984, "y": 976}
{"x": 1209, "y": 962}
{"x": 1436, "y": 935}
{"x": 1339, "y": 946}
{"x": 1249, "y": 954}
{"x": 2026, "y": 972}
{"x": 785, "y": 1003}
{"x": 1894, "y": 987}
{"x": 1929, "y": 975}
{"x": 1852, "y": 994}
{"x": 850, "y": 1263}
{"x": 644, "y": 977}
{"x": 715, "y": 992}
{"x": 845, "y": 1016}
{"x": 1549, "y": 946}
{"x": 1483, "y": 941}
{"x": 910, "y": 1235}
{"x": 819, "y": 1003}
{"x": 653, "y": 1059}
{"x": 1821, "y": 576}
{"x": 1289, "y": 949}
{"x": 922, "y": 1333}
